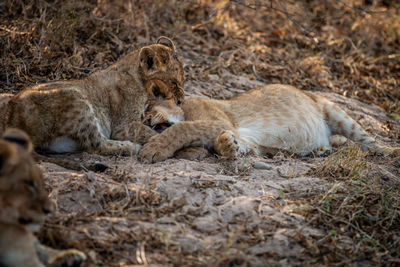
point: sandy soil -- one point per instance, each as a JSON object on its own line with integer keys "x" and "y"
{"x": 208, "y": 212}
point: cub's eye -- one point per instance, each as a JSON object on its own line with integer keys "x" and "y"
{"x": 179, "y": 102}
{"x": 174, "y": 83}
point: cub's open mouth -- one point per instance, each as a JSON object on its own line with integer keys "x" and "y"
{"x": 161, "y": 127}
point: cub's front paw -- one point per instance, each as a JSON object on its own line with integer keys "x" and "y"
{"x": 154, "y": 152}
{"x": 226, "y": 144}
{"x": 69, "y": 257}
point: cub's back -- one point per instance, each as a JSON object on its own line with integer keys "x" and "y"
{"x": 278, "y": 103}
{"x": 279, "y": 96}
{"x": 4, "y": 100}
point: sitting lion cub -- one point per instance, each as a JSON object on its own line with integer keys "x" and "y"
{"x": 263, "y": 120}
{"x": 24, "y": 204}
{"x": 101, "y": 113}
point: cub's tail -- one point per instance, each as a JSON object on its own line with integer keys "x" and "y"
{"x": 341, "y": 123}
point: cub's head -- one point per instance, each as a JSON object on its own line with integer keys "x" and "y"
{"x": 163, "y": 110}
{"x": 23, "y": 198}
{"x": 159, "y": 63}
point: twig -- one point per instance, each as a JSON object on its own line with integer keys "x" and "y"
{"x": 13, "y": 31}
{"x": 367, "y": 11}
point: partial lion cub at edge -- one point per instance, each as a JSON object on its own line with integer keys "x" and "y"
{"x": 101, "y": 113}
{"x": 262, "y": 120}
{"x": 24, "y": 204}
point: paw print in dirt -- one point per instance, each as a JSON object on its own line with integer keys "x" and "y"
{"x": 226, "y": 144}
{"x": 155, "y": 151}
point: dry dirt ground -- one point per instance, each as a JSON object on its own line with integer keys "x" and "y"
{"x": 207, "y": 213}
{"x": 340, "y": 210}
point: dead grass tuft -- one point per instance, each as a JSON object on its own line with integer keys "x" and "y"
{"x": 240, "y": 167}
{"x": 347, "y": 163}
{"x": 360, "y": 212}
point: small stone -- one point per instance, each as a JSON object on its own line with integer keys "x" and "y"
{"x": 253, "y": 176}
{"x": 92, "y": 255}
{"x": 213, "y": 77}
{"x": 262, "y": 166}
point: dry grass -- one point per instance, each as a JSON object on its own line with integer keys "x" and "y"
{"x": 358, "y": 206}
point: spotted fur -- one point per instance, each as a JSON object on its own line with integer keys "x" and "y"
{"x": 100, "y": 113}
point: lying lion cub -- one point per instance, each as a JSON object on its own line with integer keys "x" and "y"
{"x": 24, "y": 204}
{"x": 101, "y": 113}
{"x": 262, "y": 120}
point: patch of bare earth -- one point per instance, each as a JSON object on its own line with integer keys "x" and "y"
{"x": 216, "y": 212}
{"x": 339, "y": 210}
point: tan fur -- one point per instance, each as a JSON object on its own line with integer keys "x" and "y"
{"x": 24, "y": 204}
{"x": 4, "y": 99}
{"x": 263, "y": 120}
{"x": 101, "y": 113}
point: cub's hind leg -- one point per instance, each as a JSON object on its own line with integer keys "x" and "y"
{"x": 86, "y": 128}
{"x": 337, "y": 140}
{"x": 341, "y": 123}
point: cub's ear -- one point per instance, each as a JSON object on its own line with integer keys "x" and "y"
{"x": 18, "y": 137}
{"x": 147, "y": 60}
{"x": 167, "y": 42}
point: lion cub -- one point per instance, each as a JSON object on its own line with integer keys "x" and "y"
{"x": 24, "y": 204}
{"x": 101, "y": 113}
{"x": 262, "y": 120}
